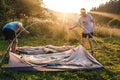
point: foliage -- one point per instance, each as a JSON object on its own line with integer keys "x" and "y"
{"x": 107, "y": 53}
{"x": 100, "y": 19}
{"x": 106, "y": 31}
{"x": 20, "y": 10}
{"x": 113, "y": 6}
{"x": 56, "y": 32}
{"x": 114, "y": 22}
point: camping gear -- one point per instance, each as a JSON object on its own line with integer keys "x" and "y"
{"x": 52, "y": 58}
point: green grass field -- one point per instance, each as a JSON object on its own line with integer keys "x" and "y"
{"x": 49, "y": 27}
{"x": 107, "y": 53}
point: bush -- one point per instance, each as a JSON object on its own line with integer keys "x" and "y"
{"x": 114, "y": 22}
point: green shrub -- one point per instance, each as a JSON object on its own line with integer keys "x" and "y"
{"x": 114, "y": 22}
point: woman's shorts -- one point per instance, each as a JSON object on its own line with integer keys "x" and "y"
{"x": 8, "y": 34}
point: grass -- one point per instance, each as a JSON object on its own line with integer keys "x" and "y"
{"x": 107, "y": 53}
{"x": 107, "y": 31}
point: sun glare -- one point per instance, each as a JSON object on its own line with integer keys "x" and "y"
{"x": 72, "y": 5}
{"x": 63, "y": 5}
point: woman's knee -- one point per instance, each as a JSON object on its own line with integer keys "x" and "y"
{"x": 15, "y": 41}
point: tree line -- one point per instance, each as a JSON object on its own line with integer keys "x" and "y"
{"x": 113, "y": 6}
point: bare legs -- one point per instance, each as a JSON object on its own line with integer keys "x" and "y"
{"x": 84, "y": 42}
{"x": 90, "y": 43}
{"x": 12, "y": 45}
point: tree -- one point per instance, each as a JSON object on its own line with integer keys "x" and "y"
{"x": 113, "y": 6}
{"x": 11, "y": 10}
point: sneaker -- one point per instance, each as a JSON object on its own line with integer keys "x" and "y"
{"x": 92, "y": 52}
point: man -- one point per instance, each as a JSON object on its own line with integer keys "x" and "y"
{"x": 9, "y": 31}
{"x": 87, "y": 24}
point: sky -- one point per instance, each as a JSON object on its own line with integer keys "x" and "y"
{"x": 72, "y": 5}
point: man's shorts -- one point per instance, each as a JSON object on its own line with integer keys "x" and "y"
{"x": 89, "y": 35}
{"x": 8, "y": 34}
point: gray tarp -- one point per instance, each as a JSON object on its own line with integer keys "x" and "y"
{"x": 64, "y": 58}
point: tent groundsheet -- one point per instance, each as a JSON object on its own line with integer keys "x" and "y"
{"x": 52, "y": 58}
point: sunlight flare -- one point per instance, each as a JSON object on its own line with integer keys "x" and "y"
{"x": 72, "y": 5}
{"x": 110, "y": 15}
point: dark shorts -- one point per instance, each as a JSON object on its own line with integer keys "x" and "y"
{"x": 8, "y": 34}
{"x": 89, "y": 35}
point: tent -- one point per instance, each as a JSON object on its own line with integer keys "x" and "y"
{"x": 52, "y": 58}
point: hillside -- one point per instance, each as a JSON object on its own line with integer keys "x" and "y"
{"x": 55, "y": 31}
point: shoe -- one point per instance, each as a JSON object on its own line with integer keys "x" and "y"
{"x": 92, "y": 53}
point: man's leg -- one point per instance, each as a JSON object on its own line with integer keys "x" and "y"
{"x": 84, "y": 36}
{"x": 84, "y": 42}
{"x": 91, "y": 45}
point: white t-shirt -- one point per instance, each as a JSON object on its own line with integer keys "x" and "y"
{"x": 86, "y": 23}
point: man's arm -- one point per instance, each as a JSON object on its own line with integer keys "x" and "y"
{"x": 93, "y": 22}
{"x": 75, "y": 25}
{"x": 91, "y": 19}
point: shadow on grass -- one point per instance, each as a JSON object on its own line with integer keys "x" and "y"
{"x": 97, "y": 74}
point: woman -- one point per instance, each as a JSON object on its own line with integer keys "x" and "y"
{"x": 9, "y": 31}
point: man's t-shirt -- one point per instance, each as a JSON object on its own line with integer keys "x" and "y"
{"x": 86, "y": 23}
